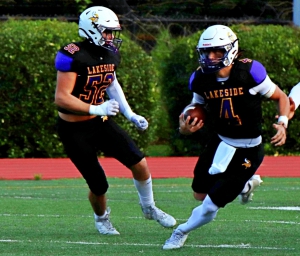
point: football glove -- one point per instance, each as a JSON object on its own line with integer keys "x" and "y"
{"x": 108, "y": 108}
{"x": 140, "y": 122}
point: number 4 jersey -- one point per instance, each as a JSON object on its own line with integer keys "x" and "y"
{"x": 234, "y": 103}
{"x": 95, "y": 67}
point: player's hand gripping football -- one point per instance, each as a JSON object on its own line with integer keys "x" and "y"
{"x": 186, "y": 128}
{"x": 140, "y": 122}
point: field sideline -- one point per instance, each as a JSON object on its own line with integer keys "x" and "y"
{"x": 161, "y": 167}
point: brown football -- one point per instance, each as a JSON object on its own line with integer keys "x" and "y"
{"x": 195, "y": 110}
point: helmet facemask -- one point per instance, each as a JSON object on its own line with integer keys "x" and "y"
{"x": 112, "y": 44}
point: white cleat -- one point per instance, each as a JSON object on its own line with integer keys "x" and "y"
{"x": 253, "y": 183}
{"x": 154, "y": 213}
{"x": 104, "y": 226}
{"x": 176, "y": 240}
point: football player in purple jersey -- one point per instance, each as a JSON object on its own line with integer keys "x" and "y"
{"x": 86, "y": 71}
{"x": 232, "y": 89}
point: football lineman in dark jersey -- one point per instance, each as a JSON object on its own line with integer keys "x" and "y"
{"x": 85, "y": 72}
{"x": 232, "y": 89}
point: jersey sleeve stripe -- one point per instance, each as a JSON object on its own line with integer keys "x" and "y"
{"x": 258, "y": 72}
{"x": 63, "y": 62}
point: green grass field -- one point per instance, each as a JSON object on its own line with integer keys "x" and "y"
{"x": 53, "y": 217}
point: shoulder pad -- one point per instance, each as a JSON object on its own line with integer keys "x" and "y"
{"x": 254, "y": 67}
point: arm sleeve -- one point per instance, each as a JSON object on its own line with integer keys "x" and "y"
{"x": 265, "y": 88}
{"x": 295, "y": 95}
{"x": 114, "y": 91}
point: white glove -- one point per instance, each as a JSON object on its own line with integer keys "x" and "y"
{"x": 140, "y": 122}
{"x": 108, "y": 108}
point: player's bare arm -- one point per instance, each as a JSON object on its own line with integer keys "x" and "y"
{"x": 292, "y": 108}
{"x": 283, "y": 106}
{"x": 63, "y": 93}
{"x": 294, "y": 98}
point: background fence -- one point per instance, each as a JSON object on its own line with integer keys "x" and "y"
{"x": 144, "y": 18}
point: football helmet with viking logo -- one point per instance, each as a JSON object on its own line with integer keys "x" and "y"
{"x": 96, "y": 20}
{"x": 221, "y": 38}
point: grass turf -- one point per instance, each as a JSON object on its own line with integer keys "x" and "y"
{"x": 53, "y": 217}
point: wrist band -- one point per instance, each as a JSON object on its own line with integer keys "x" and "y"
{"x": 92, "y": 110}
{"x": 284, "y": 120}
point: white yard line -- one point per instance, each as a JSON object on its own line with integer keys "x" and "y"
{"x": 285, "y": 208}
{"x": 239, "y": 246}
{"x": 137, "y": 217}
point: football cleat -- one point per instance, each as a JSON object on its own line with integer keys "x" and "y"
{"x": 154, "y": 213}
{"x": 253, "y": 183}
{"x": 176, "y": 240}
{"x": 104, "y": 226}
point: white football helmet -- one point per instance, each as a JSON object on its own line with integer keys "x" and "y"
{"x": 217, "y": 37}
{"x": 94, "y": 21}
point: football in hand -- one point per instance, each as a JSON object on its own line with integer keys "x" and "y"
{"x": 194, "y": 110}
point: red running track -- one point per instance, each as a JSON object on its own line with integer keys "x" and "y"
{"x": 161, "y": 167}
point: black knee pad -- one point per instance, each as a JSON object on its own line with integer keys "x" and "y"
{"x": 98, "y": 187}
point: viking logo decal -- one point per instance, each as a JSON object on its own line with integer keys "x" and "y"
{"x": 94, "y": 18}
{"x": 247, "y": 163}
{"x": 104, "y": 118}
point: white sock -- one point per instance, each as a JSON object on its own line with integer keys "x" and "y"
{"x": 201, "y": 215}
{"x": 97, "y": 217}
{"x": 145, "y": 191}
{"x": 247, "y": 187}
